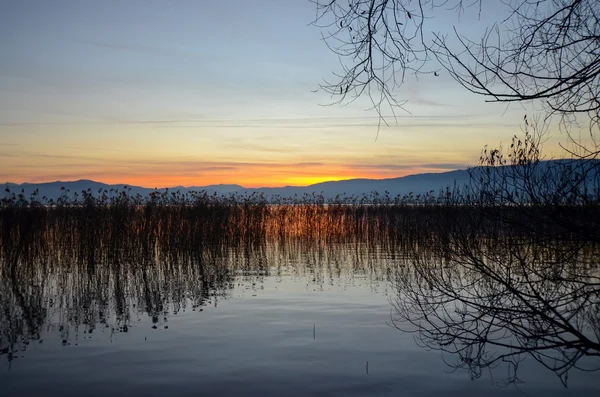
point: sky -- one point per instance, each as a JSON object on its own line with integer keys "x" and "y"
{"x": 194, "y": 93}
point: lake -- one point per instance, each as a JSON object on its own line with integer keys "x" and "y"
{"x": 108, "y": 313}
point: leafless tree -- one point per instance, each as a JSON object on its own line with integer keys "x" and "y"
{"x": 546, "y": 52}
{"x": 517, "y": 275}
{"x": 546, "y": 198}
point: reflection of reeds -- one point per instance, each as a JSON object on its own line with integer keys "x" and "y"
{"x": 98, "y": 262}
{"x": 90, "y": 262}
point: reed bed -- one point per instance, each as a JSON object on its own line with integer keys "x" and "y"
{"x": 102, "y": 260}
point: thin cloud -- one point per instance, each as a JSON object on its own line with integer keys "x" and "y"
{"x": 428, "y": 102}
{"x": 255, "y": 147}
{"x": 134, "y": 48}
{"x": 242, "y": 123}
{"x": 446, "y": 166}
{"x": 408, "y": 167}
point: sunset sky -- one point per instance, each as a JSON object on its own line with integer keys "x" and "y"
{"x": 165, "y": 93}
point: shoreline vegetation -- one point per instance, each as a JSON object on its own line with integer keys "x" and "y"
{"x": 505, "y": 269}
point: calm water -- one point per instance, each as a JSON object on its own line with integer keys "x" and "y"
{"x": 271, "y": 319}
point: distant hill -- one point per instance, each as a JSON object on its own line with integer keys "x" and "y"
{"x": 417, "y": 184}
{"x": 420, "y": 183}
{"x": 53, "y": 190}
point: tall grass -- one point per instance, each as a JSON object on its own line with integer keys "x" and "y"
{"x": 91, "y": 261}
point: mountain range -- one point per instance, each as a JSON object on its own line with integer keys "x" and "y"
{"x": 417, "y": 184}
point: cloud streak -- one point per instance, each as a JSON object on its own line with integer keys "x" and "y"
{"x": 153, "y": 172}
{"x": 233, "y": 122}
{"x": 135, "y": 48}
{"x": 408, "y": 167}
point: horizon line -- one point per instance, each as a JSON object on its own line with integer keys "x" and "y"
{"x": 222, "y": 184}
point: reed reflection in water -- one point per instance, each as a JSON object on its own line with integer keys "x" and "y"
{"x": 486, "y": 296}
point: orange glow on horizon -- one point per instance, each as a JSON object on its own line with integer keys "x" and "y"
{"x": 312, "y": 180}
{"x": 166, "y": 172}
{"x": 159, "y": 181}
{"x": 258, "y": 178}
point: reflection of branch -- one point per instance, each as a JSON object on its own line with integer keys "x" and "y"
{"x": 495, "y": 302}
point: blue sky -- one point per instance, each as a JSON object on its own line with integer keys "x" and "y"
{"x": 199, "y": 92}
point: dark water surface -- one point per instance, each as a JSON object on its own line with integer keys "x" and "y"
{"x": 273, "y": 319}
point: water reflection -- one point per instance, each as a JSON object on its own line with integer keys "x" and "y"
{"x": 72, "y": 297}
{"x": 486, "y": 298}
{"x": 493, "y": 302}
